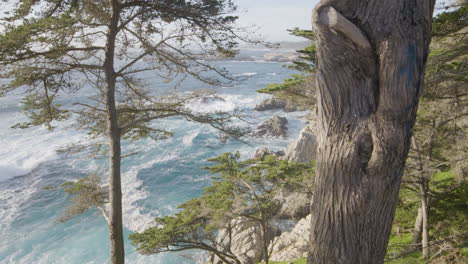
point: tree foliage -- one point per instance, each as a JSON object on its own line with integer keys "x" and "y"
{"x": 87, "y": 193}
{"x": 436, "y": 168}
{"x": 298, "y": 89}
{"x": 240, "y": 190}
{"x": 101, "y": 48}
{"x": 53, "y": 47}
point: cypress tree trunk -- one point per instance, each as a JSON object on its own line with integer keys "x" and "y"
{"x": 265, "y": 241}
{"x": 115, "y": 189}
{"x": 371, "y": 58}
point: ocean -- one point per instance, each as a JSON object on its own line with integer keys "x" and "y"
{"x": 161, "y": 176}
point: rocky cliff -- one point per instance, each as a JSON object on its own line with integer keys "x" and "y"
{"x": 293, "y": 244}
{"x": 246, "y": 241}
{"x": 286, "y": 245}
{"x": 275, "y": 127}
{"x": 304, "y": 148}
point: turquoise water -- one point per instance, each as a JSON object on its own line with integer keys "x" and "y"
{"x": 163, "y": 175}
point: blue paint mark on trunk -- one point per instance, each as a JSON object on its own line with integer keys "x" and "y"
{"x": 410, "y": 70}
{"x": 407, "y": 69}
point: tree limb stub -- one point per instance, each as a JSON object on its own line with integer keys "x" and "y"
{"x": 333, "y": 19}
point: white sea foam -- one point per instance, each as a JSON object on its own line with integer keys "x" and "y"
{"x": 259, "y": 49}
{"x": 134, "y": 219}
{"x": 11, "y": 201}
{"x": 188, "y": 139}
{"x": 133, "y": 191}
{"x": 246, "y": 74}
{"x": 24, "y": 149}
{"x": 222, "y": 103}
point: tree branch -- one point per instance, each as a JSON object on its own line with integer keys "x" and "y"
{"x": 333, "y": 19}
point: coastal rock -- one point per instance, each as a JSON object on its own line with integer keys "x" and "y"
{"x": 280, "y": 56}
{"x": 246, "y": 241}
{"x": 274, "y": 103}
{"x": 292, "y": 245}
{"x": 275, "y": 127}
{"x": 262, "y": 152}
{"x": 292, "y": 107}
{"x": 270, "y": 104}
{"x": 310, "y": 117}
{"x": 294, "y": 205}
{"x": 304, "y": 148}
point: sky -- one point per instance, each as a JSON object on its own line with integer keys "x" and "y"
{"x": 274, "y": 17}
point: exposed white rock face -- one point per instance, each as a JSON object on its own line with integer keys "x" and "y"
{"x": 246, "y": 241}
{"x": 292, "y": 245}
{"x": 293, "y": 205}
{"x": 304, "y": 148}
{"x": 263, "y": 151}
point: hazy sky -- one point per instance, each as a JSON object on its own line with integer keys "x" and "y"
{"x": 274, "y": 17}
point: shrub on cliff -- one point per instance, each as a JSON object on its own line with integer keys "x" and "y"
{"x": 241, "y": 189}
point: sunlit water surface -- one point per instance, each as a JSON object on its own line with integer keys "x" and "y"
{"x": 162, "y": 175}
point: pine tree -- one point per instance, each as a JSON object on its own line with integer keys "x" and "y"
{"x": 241, "y": 191}
{"x": 300, "y": 88}
{"x": 437, "y": 161}
{"x": 48, "y": 45}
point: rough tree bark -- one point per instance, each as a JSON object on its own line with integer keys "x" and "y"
{"x": 265, "y": 241}
{"x": 117, "y": 253}
{"x": 371, "y": 58}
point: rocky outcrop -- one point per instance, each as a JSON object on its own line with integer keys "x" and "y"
{"x": 310, "y": 117}
{"x": 270, "y": 104}
{"x": 304, "y": 148}
{"x": 281, "y": 56}
{"x": 274, "y": 103}
{"x": 275, "y": 127}
{"x": 291, "y": 107}
{"x": 246, "y": 236}
{"x": 262, "y": 152}
{"x": 292, "y": 245}
{"x": 293, "y": 205}
{"x": 246, "y": 241}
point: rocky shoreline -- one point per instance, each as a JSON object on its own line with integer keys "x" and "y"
{"x": 285, "y": 243}
{"x": 270, "y": 56}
